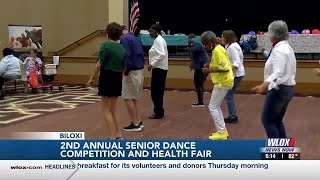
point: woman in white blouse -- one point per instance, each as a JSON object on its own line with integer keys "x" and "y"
{"x": 279, "y": 80}
{"x": 229, "y": 39}
{"x": 158, "y": 63}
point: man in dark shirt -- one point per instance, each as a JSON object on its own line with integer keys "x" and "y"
{"x": 132, "y": 83}
{"x": 199, "y": 57}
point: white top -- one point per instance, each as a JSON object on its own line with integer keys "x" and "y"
{"x": 10, "y": 67}
{"x": 281, "y": 66}
{"x": 30, "y": 63}
{"x": 158, "y": 54}
{"x": 236, "y": 57}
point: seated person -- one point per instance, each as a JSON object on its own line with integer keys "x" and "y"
{"x": 9, "y": 68}
{"x": 33, "y": 64}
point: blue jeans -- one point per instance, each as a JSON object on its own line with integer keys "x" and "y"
{"x": 230, "y": 98}
{"x": 274, "y": 109}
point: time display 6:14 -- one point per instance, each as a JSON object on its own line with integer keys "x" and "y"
{"x": 270, "y": 156}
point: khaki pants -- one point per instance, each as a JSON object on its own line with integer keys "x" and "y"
{"x": 132, "y": 85}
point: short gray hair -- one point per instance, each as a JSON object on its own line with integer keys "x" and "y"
{"x": 278, "y": 30}
{"x": 208, "y": 37}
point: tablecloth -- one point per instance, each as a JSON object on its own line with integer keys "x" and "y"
{"x": 170, "y": 39}
{"x": 300, "y": 43}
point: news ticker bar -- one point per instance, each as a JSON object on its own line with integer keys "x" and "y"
{"x": 186, "y": 170}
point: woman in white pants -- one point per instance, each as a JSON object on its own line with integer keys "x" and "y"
{"x": 222, "y": 77}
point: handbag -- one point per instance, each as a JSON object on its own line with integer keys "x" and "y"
{"x": 33, "y": 78}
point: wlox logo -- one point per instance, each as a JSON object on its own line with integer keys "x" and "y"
{"x": 288, "y": 142}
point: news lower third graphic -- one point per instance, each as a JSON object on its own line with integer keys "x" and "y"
{"x": 73, "y": 146}
{"x": 37, "y": 153}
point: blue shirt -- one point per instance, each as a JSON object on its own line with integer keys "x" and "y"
{"x": 198, "y": 55}
{"x": 134, "y": 52}
{"x": 10, "y": 67}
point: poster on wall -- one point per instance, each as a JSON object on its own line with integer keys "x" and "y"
{"x": 25, "y": 37}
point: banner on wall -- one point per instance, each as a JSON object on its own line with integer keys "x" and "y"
{"x": 25, "y": 37}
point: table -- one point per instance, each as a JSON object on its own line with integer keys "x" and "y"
{"x": 170, "y": 39}
{"x": 300, "y": 43}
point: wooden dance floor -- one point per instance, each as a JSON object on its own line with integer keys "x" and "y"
{"x": 182, "y": 121}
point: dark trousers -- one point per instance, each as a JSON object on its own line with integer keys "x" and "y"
{"x": 199, "y": 78}
{"x": 2, "y": 80}
{"x": 158, "y": 84}
{"x": 230, "y": 98}
{"x": 274, "y": 109}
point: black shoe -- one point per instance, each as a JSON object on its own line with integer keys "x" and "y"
{"x": 231, "y": 120}
{"x": 154, "y": 116}
{"x": 141, "y": 125}
{"x": 133, "y": 128}
{"x": 196, "y": 104}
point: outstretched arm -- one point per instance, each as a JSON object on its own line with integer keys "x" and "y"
{"x": 94, "y": 74}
